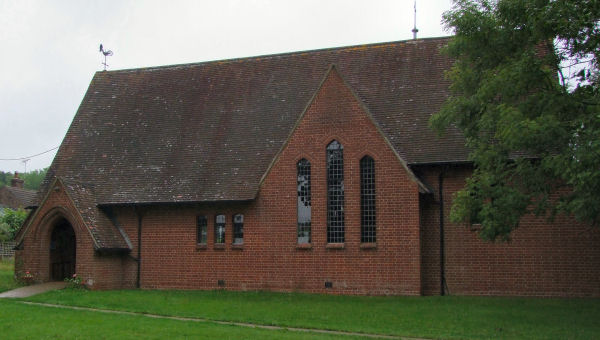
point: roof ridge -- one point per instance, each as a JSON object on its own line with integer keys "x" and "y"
{"x": 274, "y": 55}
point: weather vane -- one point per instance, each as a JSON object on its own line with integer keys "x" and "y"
{"x": 106, "y": 53}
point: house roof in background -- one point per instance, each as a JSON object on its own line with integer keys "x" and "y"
{"x": 23, "y": 197}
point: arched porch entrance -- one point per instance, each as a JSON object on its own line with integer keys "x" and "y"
{"x": 62, "y": 251}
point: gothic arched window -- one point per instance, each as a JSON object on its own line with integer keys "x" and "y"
{"x": 335, "y": 192}
{"x": 367, "y": 200}
{"x": 304, "y": 205}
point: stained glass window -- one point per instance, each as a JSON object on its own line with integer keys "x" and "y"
{"x": 304, "y": 205}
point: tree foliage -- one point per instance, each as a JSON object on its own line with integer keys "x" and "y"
{"x": 533, "y": 128}
{"x": 33, "y": 179}
{"x": 10, "y": 222}
{"x": 5, "y": 178}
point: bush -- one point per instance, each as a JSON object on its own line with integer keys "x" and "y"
{"x": 10, "y": 222}
{"x": 26, "y": 278}
{"x": 75, "y": 282}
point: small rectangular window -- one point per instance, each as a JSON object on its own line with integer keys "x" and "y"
{"x": 201, "y": 230}
{"x": 220, "y": 229}
{"x": 238, "y": 229}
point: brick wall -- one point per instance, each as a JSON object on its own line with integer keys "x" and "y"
{"x": 559, "y": 259}
{"x": 101, "y": 272}
{"x": 394, "y": 266}
{"x": 542, "y": 259}
{"x": 270, "y": 257}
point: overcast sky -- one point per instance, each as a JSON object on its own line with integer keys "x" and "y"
{"x": 49, "y": 49}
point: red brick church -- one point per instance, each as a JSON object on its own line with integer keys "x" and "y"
{"x": 309, "y": 171}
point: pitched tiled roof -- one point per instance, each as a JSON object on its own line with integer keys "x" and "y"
{"x": 208, "y": 131}
{"x": 25, "y": 197}
{"x": 105, "y": 234}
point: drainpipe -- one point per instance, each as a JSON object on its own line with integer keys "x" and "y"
{"x": 139, "y": 247}
{"x": 443, "y": 284}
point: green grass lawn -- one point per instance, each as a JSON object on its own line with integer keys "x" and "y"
{"x": 448, "y": 317}
{"x": 432, "y": 317}
{"x": 7, "y": 281}
{"x": 20, "y": 321}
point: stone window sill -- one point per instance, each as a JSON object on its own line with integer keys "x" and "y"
{"x": 219, "y": 246}
{"x": 237, "y": 246}
{"x": 335, "y": 246}
{"x": 304, "y": 246}
{"x": 201, "y": 246}
{"x": 368, "y": 246}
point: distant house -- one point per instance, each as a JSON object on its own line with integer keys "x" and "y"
{"x": 15, "y": 196}
{"x": 310, "y": 171}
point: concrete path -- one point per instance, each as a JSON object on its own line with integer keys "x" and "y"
{"x": 33, "y": 290}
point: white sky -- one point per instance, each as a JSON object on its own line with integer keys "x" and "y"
{"x": 49, "y": 49}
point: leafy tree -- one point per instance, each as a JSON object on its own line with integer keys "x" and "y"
{"x": 10, "y": 222}
{"x": 34, "y": 178}
{"x": 534, "y": 130}
{"x": 5, "y": 178}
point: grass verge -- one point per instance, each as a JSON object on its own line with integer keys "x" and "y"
{"x": 7, "y": 280}
{"x": 19, "y": 321}
{"x": 431, "y": 317}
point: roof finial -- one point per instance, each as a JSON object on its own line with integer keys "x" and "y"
{"x": 415, "y": 30}
{"x": 106, "y": 53}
